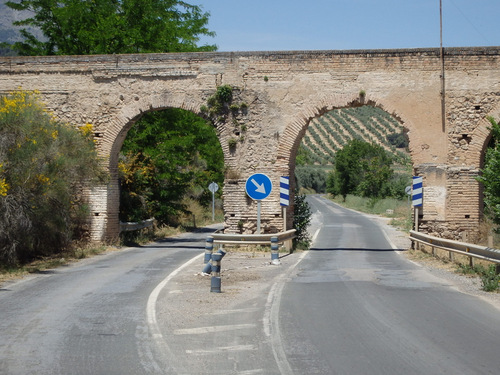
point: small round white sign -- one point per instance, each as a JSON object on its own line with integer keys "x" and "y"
{"x": 213, "y": 187}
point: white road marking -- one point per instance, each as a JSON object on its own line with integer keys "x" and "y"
{"x": 211, "y": 329}
{"x": 234, "y": 348}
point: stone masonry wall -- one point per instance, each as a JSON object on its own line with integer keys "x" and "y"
{"x": 283, "y": 92}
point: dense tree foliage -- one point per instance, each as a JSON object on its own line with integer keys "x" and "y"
{"x": 167, "y": 156}
{"x": 304, "y": 157}
{"x": 311, "y": 178}
{"x": 398, "y": 140}
{"x": 43, "y": 167}
{"x": 490, "y": 175}
{"x": 76, "y": 27}
{"x": 362, "y": 169}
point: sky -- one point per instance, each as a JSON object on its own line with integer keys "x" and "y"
{"x": 278, "y": 25}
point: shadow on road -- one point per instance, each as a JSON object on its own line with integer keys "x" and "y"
{"x": 351, "y": 249}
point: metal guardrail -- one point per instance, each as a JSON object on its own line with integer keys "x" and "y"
{"x": 470, "y": 250}
{"x": 252, "y": 239}
{"x": 129, "y": 226}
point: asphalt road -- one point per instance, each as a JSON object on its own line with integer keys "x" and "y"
{"x": 352, "y": 305}
{"x": 91, "y": 317}
{"x": 357, "y": 307}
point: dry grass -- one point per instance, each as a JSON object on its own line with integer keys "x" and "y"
{"x": 8, "y": 273}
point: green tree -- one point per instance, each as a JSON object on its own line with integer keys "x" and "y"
{"x": 490, "y": 175}
{"x": 43, "y": 167}
{"x": 304, "y": 157}
{"x": 362, "y": 169}
{"x": 311, "y": 177}
{"x": 167, "y": 156}
{"x": 83, "y": 27}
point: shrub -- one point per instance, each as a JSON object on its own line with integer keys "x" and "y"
{"x": 490, "y": 279}
{"x": 301, "y": 220}
{"x": 44, "y": 166}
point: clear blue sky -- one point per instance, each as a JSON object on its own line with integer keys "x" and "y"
{"x": 273, "y": 25}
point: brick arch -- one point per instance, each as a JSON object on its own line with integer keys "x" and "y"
{"x": 109, "y": 149}
{"x": 482, "y": 136}
{"x": 128, "y": 116}
{"x": 295, "y": 131}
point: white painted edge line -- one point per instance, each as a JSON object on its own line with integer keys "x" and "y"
{"x": 271, "y": 319}
{"x": 315, "y": 235}
{"x": 153, "y": 298}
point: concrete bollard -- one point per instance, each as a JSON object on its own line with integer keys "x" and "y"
{"x": 274, "y": 251}
{"x": 208, "y": 265}
{"x": 209, "y": 247}
{"x": 215, "y": 283}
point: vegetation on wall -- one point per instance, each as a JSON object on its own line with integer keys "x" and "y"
{"x": 44, "y": 165}
{"x": 222, "y": 108}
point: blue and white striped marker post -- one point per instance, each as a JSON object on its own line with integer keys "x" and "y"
{"x": 417, "y": 192}
{"x": 417, "y": 197}
{"x": 284, "y": 197}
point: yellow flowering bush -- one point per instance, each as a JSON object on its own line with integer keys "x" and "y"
{"x": 43, "y": 165}
{"x": 4, "y": 186}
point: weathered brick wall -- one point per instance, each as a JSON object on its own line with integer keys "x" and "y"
{"x": 283, "y": 91}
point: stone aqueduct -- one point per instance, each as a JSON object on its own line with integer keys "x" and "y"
{"x": 284, "y": 91}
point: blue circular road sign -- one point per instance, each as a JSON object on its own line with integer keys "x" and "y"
{"x": 258, "y": 186}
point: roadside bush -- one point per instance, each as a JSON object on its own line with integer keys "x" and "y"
{"x": 490, "y": 279}
{"x": 301, "y": 220}
{"x": 43, "y": 167}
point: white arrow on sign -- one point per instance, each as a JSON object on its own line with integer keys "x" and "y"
{"x": 260, "y": 187}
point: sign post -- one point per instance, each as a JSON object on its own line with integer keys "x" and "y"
{"x": 284, "y": 197}
{"x": 258, "y": 187}
{"x": 213, "y": 187}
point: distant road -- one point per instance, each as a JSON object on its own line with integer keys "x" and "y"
{"x": 357, "y": 307}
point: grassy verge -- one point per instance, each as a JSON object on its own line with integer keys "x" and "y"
{"x": 47, "y": 263}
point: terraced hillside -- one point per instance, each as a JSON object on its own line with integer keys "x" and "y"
{"x": 330, "y": 132}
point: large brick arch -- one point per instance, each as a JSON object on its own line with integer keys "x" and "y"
{"x": 295, "y": 131}
{"x": 112, "y": 143}
{"x": 284, "y": 90}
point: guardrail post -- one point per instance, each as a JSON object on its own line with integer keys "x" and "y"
{"x": 274, "y": 250}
